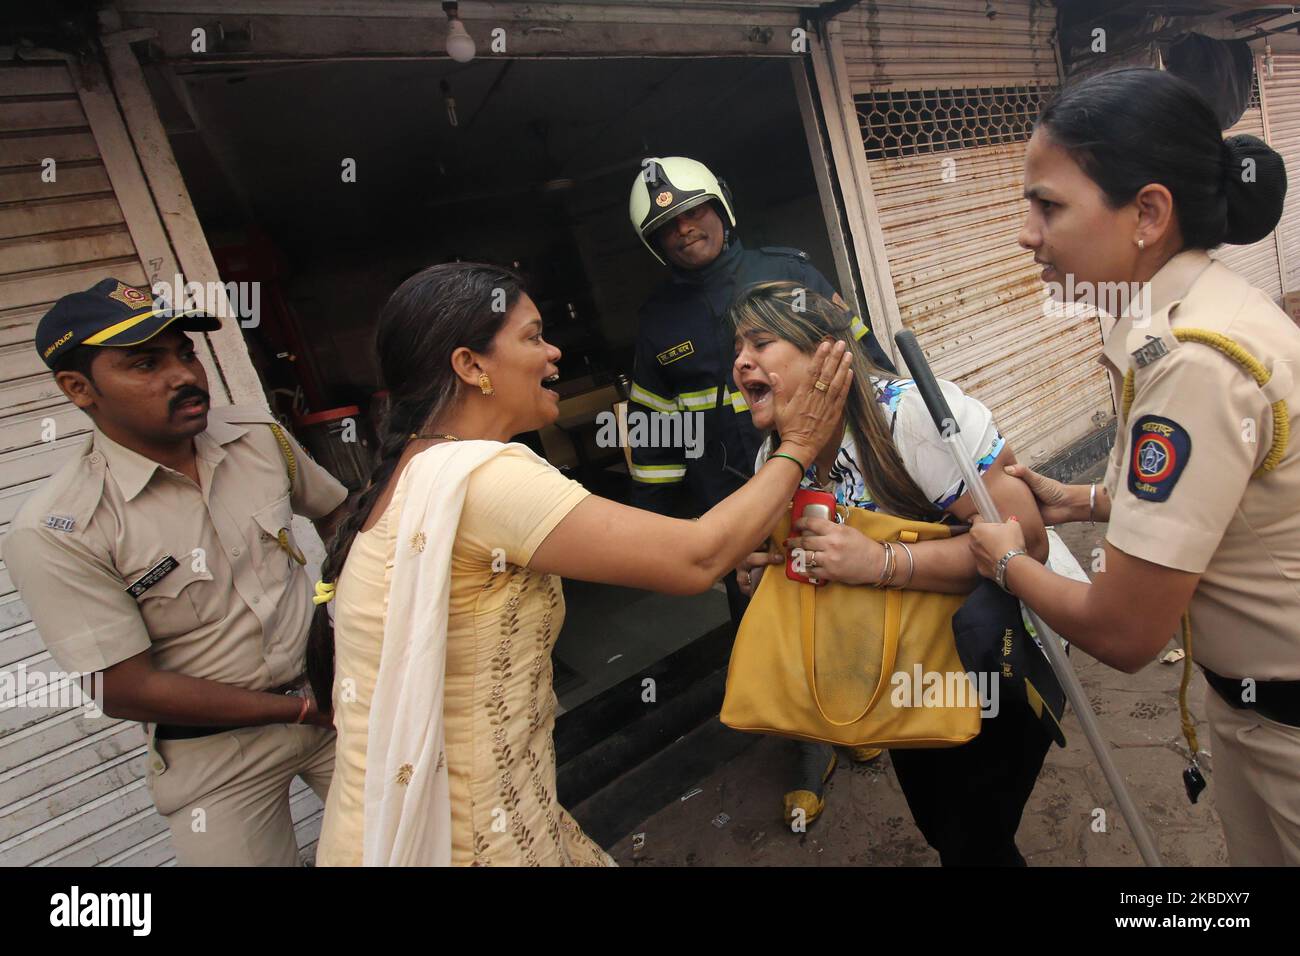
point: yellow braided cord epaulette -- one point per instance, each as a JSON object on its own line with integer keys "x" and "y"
{"x": 1281, "y": 436}
{"x": 1217, "y": 340}
{"x": 290, "y": 460}
{"x": 288, "y": 547}
{"x": 1184, "y": 712}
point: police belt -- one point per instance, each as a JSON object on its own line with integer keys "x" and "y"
{"x": 182, "y": 732}
{"x": 1277, "y": 700}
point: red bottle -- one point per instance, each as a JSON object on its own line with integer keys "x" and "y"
{"x": 813, "y": 504}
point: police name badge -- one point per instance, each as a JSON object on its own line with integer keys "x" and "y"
{"x": 1161, "y": 448}
{"x": 59, "y": 523}
{"x": 151, "y": 577}
{"x": 679, "y": 351}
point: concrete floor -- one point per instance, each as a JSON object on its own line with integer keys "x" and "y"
{"x": 867, "y": 822}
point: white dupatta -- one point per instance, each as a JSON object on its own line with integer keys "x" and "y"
{"x": 407, "y": 792}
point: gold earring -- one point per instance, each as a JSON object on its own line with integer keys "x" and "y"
{"x": 1142, "y": 244}
{"x": 485, "y": 384}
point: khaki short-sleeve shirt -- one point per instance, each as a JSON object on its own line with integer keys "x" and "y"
{"x": 215, "y": 595}
{"x": 1180, "y": 472}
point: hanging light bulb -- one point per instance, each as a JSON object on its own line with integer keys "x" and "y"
{"x": 460, "y": 45}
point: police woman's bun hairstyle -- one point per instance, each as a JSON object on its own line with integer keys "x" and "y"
{"x": 1256, "y": 187}
{"x": 1129, "y": 128}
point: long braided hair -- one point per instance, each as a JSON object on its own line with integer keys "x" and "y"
{"x": 433, "y": 313}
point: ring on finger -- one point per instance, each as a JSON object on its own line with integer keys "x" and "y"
{"x": 820, "y": 385}
{"x": 812, "y": 559}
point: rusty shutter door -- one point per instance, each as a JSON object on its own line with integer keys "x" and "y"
{"x": 72, "y": 788}
{"x": 67, "y": 780}
{"x": 1257, "y": 262}
{"x": 945, "y": 100}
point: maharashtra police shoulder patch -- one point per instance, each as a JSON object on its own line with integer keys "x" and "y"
{"x": 1161, "y": 448}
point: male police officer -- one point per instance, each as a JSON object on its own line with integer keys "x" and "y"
{"x": 684, "y": 357}
{"x": 163, "y": 557}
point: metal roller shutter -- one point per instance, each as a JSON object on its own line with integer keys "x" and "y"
{"x": 945, "y": 100}
{"x": 72, "y": 788}
{"x": 1282, "y": 114}
{"x": 1257, "y": 262}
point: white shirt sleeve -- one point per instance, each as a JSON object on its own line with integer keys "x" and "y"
{"x": 926, "y": 455}
{"x": 764, "y": 453}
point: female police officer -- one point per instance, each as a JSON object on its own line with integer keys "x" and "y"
{"x": 1129, "y": 181}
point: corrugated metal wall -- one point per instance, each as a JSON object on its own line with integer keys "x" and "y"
{"x": 71, "y": 787}
{"x": 945, "y": 99}
{"x": 1282, "y": 103}
{"x": 1258, "y": 261}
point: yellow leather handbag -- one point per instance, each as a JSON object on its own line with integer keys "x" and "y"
{"x": 852, "y": 665}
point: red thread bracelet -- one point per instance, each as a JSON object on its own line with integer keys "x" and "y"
{"x": 306, "y": 703}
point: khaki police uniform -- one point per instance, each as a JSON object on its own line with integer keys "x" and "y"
{"x": 234, "y": 608}
{"x": 1185, "y": 494}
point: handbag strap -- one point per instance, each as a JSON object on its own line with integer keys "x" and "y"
{"x": 808, "y": 638}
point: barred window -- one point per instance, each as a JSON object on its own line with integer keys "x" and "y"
{"x": 898, "y": 123}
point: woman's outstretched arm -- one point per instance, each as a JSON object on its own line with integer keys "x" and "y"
{"x": 601, "y": 540}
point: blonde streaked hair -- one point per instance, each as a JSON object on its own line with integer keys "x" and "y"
{"x": 802, "y": 317}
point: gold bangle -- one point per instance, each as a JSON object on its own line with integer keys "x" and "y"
{"x": 911, "y": 566}
{"x": 887, "y": 569}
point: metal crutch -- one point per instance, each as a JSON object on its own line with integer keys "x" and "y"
{"x": 949, "y": 431}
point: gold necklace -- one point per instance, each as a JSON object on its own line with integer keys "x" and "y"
{"x": 447, "y": 437}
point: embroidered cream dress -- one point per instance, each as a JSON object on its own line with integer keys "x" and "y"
{"x": 499, "y": 708}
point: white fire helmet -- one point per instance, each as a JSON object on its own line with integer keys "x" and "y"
{"x": 668, "y": 186}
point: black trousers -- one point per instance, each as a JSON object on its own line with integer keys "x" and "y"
{"x": 967, "y": 801}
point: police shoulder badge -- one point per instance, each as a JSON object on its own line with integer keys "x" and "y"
{"x": 1161, "y": 448}
{"x": 1155, "y": 348}
{"x": 129, "y": 296}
